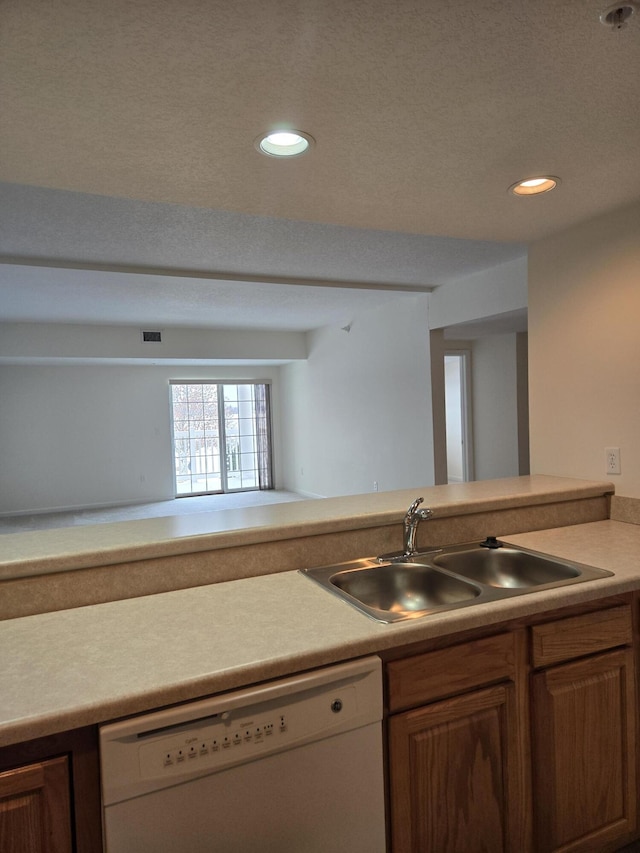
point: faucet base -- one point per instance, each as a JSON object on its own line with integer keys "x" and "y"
{"x": 398, "y": 556}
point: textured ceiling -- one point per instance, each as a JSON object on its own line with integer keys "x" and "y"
{"x": 423, "y": 113}
{"x": 152, "y": 301}
{"x": 78, "y": 258}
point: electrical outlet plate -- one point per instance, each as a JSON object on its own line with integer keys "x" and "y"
{"x": 612, "y": 460}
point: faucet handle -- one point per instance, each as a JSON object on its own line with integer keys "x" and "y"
{"x": 414, "y": 506}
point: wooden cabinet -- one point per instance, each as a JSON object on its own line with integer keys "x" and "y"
{"x": 50, "y": 795}
{"x": 35, "y": 810}
{"x": 457, "y": 765}
{"x": 450, "y": 773}
{"x": 524, "y": 741}
{"x": 584, "y": 725}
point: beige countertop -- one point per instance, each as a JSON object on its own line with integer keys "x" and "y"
{"x": 76, "y": 667}
{"x": 70, "y": 548}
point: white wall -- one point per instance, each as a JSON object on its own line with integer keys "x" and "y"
{"x": 89, "y": 435}
{"x": 488, "y": 293}
{"x": 89, "y": 342}
{"x": 495, "y": 407}
{"x": 359, "y": 409}
{"x": 584, "y": 344}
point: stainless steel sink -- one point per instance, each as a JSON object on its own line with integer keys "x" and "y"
{"x": 399, "y": 588}
{"x": 403, "y": 589}
{"x": 506, "y": 567}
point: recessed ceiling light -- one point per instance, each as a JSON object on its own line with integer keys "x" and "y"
{"x": 535, "y": 186}
{"x": 284, "y": 143}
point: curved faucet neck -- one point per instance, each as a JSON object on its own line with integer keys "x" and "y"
{"x": 411, "y": 521}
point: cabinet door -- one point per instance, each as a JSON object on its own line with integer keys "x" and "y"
{"x": 455, "y": 776}
{"x": 34, "y": 808}
{"x": 584, "y": 746}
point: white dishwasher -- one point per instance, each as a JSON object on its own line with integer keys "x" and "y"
{"x": 292, "y": 766}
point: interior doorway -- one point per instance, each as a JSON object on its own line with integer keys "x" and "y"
{"x": 489, "y": 394}
{"x": 457, "y": 398}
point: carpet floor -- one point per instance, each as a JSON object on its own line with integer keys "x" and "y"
{"x": 177, "y": 506}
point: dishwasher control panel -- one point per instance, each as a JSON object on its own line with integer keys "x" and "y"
{"x": 254, "y": 735}
{"x": 167, "y": 747}
{"x": 218, "y": 744}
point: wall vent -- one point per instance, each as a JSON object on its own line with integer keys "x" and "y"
{"x": 152, "y": 337}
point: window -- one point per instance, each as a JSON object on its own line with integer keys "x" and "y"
{"x": 221, "y": 437}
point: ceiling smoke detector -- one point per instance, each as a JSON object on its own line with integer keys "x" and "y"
{"x": 617, "y": 16}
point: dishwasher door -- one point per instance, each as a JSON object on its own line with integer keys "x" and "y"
{"x": 294, "y": 766}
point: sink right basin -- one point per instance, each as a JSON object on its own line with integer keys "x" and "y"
{"x": 506, "y": 568}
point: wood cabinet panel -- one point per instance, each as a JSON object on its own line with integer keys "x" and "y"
{"x": 423, "y": 678}
{"x": 35, "y": 812}
{"x": 584, "y": 753}
{"x": 81, "y": 748}
{"x": 454, "y": 775}
{"x": 577, "y": 636}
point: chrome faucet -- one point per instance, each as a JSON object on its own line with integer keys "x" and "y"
{"x": 411, "y": 521}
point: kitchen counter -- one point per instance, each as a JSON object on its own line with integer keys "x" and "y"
{"x": 73, "y": 548}
{"x": 82, "y": 666}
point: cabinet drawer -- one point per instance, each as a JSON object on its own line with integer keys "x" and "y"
{"x": 576, "y": 636}
{"x": 446, "y": 672}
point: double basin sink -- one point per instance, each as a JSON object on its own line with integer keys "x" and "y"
{"x": 393, "y": 588}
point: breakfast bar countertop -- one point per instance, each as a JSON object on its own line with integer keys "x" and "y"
{"x": 81, "y": 547}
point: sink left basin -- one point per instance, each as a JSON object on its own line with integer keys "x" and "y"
{"x": 395, "y": 590}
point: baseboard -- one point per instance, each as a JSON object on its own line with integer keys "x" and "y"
{"x": 304, "y": 494}
{"x": 82, "y": 507}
